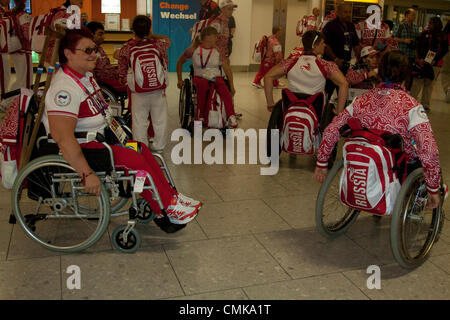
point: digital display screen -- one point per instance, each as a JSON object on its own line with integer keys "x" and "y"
{"x": 110, "y": 6}
{"x": 27, "y": 5}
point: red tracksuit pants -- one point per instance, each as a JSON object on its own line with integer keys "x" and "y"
{"x": 263, "y": 69}
{"x": 202, "y": 87}
{"x": 130, "y": 159}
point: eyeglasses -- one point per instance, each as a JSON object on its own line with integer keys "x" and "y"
{"x": 89, "y": 50}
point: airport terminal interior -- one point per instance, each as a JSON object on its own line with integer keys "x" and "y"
{"x": 255, "y": 237}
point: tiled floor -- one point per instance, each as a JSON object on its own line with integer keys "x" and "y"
{"x": 255, "y": 238}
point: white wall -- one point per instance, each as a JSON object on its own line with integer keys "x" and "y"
{"x": 242, "y": 37}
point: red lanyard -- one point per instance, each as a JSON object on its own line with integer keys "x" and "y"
{"x": 207, "y": 59}
{"x": 97, "y": 100}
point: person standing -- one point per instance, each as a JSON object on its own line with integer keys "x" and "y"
{"x": 208, "y": 9}
{"x": 232, "y": 28}
{"x": 5, "y": 68}
{"x": 308, "y": 22}
{"x": 331, "y": 16}
{"x": 431, "y": 48}
{"x": 272, "y": 57}
{"x": 341, "y": 39}
{"x": 145, "y": 103}
{"x": 21, "y": 59}
{"x": 370, "y": 36}
{"x": 406, "y": 34}
{"x": 221, "y": 25}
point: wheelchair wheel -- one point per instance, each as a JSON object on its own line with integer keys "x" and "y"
{"x": 274, "y": 123}
{"x": 108, "y": 94}
{"x": 185, "y": 104}
{"x": 146, "y": 214}
{"x": 133, "y": 240}
{"x": 414, "y": 228}
{"x": 333, "y": 218}
{"x": 49, "y": 203}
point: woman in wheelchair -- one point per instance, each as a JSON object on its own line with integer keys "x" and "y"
{"x": 306, "y": 73}
{"x": 390, "y": 108}
{"x": 364, "y": 75}
{"x": 74, "y": 104}
{"x": 207, "y": 63}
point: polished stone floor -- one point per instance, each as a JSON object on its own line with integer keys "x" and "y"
{"x": 255, "y": 238}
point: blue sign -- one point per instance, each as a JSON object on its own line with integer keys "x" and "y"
{"x": 174, "y": 19}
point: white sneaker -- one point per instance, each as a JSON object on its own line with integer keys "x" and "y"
{"x": 188, "y": 202}
{"x": 257, "y": 85}
{"x": 180, "y": 214}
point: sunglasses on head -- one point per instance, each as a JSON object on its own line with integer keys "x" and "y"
{"x": 89, "y": 50}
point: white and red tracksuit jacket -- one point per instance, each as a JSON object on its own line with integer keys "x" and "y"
{"x": 307, "y": 23}
{"x": 395, "y": 111}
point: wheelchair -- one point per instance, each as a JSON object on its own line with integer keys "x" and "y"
{"x": 49, "y": 202}
{"x": 413, "y": 230}
{"x": 187, "y": 106}
{"x": 323, "y": 110}
{"x": 111, "y": 95}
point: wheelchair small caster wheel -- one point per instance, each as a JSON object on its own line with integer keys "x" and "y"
{"x": 133, "y": 240}
{"x": 146, "y": 214}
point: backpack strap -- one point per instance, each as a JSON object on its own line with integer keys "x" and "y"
{"x": 373, "y": 135}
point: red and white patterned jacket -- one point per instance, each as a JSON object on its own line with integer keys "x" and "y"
{"x": 367, "y": 35}
{"x": 307, "y": 23}
{"x": 394, "y": 111}
{"x": 274, "y": 52}
{"x": 357, "y": 79}
{"x": 221, "y": 25}
{"x": 104, "y": 71}
{"x": 124, "y": 55}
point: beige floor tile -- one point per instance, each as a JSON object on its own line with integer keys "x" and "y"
{"x": 326, "y": 287}
{"x": 23, "y": 247}
{"x": 442, "y": 261}
{"x": 304, "y": 252}
{"x": 232, "y": 188}
{"x": 294, "y": 210}
{"x": 220, "y": 264}
{"x": 146, "y": 274}
{"x": 426, "y": 282}
{"x": 152, "y": 235}
{"x": 5, "y": 236}
{"x": 31, "y": 279}
{"x": 197, "y": 189}
{"x": 233, "y": 294}
{"x": 239, "y": 218}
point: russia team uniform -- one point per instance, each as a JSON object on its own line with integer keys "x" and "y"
{"x": 396, "y": 112}
{"x": 273, "y": 56}
{"x": 306, "y": 24}
{"x": 66, "y": 98}
{"x": 207, "y": 64}
{"x": 143, "y": 104}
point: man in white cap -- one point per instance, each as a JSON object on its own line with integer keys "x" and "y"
{"x": 221, "y": 25}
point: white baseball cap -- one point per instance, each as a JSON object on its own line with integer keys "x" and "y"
{"x": 366, "y": 51}
{"x": 224, "y": 3}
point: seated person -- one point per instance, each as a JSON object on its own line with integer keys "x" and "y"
{"x": 364, "y": 75}
{"x": 104, "y": 71}
{"x": 73, "y": 103}
{"x": 391, "y": 109}
{"x": 306, "y": 73}
{"x": 207, "y": 63}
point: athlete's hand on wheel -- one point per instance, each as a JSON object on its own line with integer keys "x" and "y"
{"x": 93, "y": 185}
{"x": 320, "y": 174}
{"x": 433, "y": 201}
